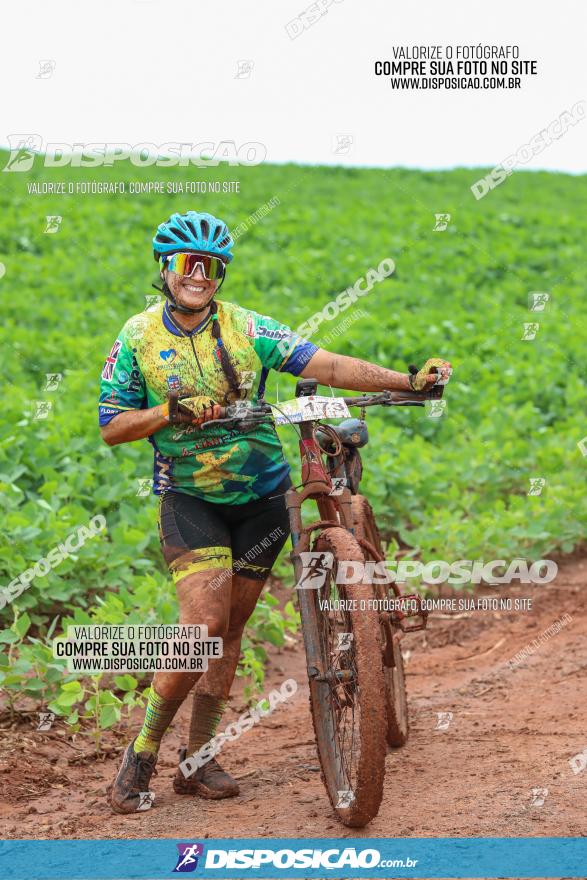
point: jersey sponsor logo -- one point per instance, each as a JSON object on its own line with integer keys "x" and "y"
{"x": 272, "y": 334}
{"x": 107, "y": 411}
{"x": 122, "y": 377}
{"x": 250, "y": 331}
{"x": 135, "y": 382}
{"x": 168, "y": 356}
{"x": 111, "y": 360}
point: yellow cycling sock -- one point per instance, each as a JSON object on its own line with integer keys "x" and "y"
{"x": 158, "y": 717}
{"x": 206, "y": 714}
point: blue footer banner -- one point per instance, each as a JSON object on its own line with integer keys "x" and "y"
{"x": 481, "y": 857}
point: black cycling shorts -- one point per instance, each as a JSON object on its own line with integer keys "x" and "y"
{"x": 243, "y": 539}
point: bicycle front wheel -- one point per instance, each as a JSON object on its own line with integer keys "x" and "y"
{"x": 342, "y": 632}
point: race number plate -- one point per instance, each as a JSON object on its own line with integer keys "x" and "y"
{"x": 308, "y": 409}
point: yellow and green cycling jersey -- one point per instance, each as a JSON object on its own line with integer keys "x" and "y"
{"x": 153, "y": 356}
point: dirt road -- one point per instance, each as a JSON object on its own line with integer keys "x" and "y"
{"x": 483, "y": 771}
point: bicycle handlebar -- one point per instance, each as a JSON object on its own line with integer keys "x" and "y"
{"x": 262, "y": 410}
{"x": 396, "y": 398}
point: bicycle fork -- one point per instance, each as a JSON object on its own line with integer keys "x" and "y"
{"x": 300, "y": 538}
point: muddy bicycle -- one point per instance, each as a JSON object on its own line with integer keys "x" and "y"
{"x": 354, "y": 658}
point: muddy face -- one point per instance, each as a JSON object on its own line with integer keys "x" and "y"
{"x": 193, "y": 293}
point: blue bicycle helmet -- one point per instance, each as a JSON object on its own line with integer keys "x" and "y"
{"x": 193, "y": 232}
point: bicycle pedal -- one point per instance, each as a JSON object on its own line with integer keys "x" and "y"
{"x": 401, "y": 618}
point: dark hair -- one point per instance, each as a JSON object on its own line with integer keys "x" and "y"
{"x": 235, "y": 392}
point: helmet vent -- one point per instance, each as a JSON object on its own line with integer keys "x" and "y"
{"x": 181, "y": 234}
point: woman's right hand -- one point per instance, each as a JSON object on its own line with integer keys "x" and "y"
{"x": 190, "y": 410}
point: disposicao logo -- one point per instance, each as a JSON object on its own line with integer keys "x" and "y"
{"x": 187, "y": 860}
{"x": 24, "y": 149}
{"x": 285, "y": 859}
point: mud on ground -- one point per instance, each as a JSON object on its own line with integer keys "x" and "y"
{"x": 511, "y": 736}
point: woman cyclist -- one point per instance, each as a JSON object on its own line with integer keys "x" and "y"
{"x": 221, "y": 491}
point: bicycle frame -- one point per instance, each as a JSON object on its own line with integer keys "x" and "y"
{"x": 317, "y": 485}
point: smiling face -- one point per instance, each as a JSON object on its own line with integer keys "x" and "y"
{"x": 193, "y": 293}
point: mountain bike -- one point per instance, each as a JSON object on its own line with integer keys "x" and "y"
{"x": 352, "y": 641}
